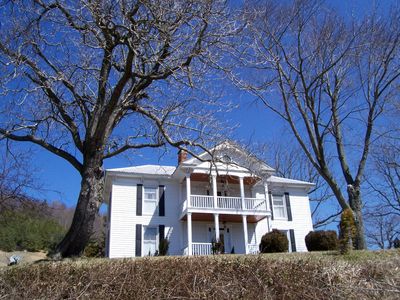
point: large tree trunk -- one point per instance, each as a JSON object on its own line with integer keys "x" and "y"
{"x": 89, "y": 201}
{"x": 355, "y": 202}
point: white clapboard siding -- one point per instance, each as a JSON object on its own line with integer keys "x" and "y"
{"x": 122, "y": 223}
{"x": 124, "y": 218}
{"x": 302, "y": 222}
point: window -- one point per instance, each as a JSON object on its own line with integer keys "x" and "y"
{"x": 226, "y": 159}
{"x": 149, "y": 240}
{"x": 279, "y": 207}
{"x": 150, "y": 201}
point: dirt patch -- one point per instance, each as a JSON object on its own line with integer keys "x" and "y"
{"x": 26, "y": 257}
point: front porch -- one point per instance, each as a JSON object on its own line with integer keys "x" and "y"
{"x": 206, "y": 249}
{"x": 231, "y": 235}
{"x": 219, "y": 199}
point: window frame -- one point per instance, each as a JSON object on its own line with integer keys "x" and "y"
{"x": 144, "y": 227}
{"x": 275, "y": 196}
{"x": 157, "y": 200}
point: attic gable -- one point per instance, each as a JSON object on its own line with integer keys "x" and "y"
{"x": 230, "y": 154}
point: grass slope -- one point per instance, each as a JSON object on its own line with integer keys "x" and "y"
{"x": 27, "y": 257}
{"x": 359, "y": 275}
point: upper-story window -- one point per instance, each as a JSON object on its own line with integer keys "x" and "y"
{"x": 150, "y": 200}
{"x": 226, "y": 158}
{"x": 279, "y": 206}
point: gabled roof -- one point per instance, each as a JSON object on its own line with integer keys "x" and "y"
{"x": 245, "y": 158}
{"x": 283, "y": 181}
{"x": 146, "y": 169}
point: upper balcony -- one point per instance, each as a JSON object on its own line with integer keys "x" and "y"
{"x": 225, "y": 204}
{"x": 224, "y": 195}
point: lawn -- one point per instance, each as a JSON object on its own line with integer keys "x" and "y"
{"x": 322, "y": 275}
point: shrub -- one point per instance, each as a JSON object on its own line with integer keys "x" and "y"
{"x": 217, "y": 247}
{"x": 94, "y": 249}
{"x": 321, "y": 240}
{"x": 274, "y": 241}
{"x": 163, "y": 247}
{"x": 396, "y": 243}
{"x": 347, "y": 231}
{"x": 27, "y": 231}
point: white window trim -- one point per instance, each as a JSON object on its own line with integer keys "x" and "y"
{"x": 285, "y": 218}
{"x": 156, "y": 212}
{"x": 157, "y": 238}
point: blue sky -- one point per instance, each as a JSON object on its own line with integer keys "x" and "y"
{"x": 62, "y": 182}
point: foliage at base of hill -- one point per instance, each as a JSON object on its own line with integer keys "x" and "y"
{"x": 274, "y": 241}
{"x": 348, "y": 231}
{"x": 266, "y": 276}
{"x": 321, "y": 240}
{"x": 95, "y": 248}
{"x": 22, "y": 230}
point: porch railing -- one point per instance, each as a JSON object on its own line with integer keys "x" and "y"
{"x": 201, "y": 249}
{"x": 253, "y": 248}
{"x": 205, "y": 249}
{"x": 227, "y": 203}
{"x": 201, "y": 201}
{"x": 255, "y": 204}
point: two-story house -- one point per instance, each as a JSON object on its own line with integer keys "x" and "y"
{"x": 235, "y": 200}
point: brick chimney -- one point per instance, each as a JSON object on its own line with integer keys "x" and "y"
{"x": 182, "y": 156}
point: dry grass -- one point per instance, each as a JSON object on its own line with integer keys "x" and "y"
{"x": 27, "y": 257}
{"x": 360, "y": 275}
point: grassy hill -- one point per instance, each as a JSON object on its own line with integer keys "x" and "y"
{"x": 359, "y": 275}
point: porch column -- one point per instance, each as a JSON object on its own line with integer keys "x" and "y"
{"x": 188, "y": 204}
{"x": 189, "y": 232}
{"x": 242, "y": 192}
{"x": 214, "y": 182}
{"x": 216, "y": 225}
{"x": 266, "y": 197}
{"x": 246, "y": 238}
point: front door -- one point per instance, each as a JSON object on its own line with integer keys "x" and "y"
{"x": 224, "y": 237}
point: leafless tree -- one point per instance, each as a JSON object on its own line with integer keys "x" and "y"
{"x": 290, "y": 162}
{"x": 88, "y": 80}
{"x": 382, "y": 228}
{"x": 385, "y": 182}
{"x": 17, "y": 178}
{"x": 383, "y": 213}
{"x": 62, "y": 213}
{"x": 329, "y": 79}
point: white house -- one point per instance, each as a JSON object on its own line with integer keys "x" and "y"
{"x": 198, "y": 201}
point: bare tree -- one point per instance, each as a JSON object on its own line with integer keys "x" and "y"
{"x": 16, "y": 178}
{"x": 88, "y": 80}
{"x": 61, "y": 213}
{"x": 329, "y": 79}
{"x": 290, "y": 162}
{"x": 383, "y": 213}
{"x": 382, "y": 228}
{"x": 385, "y": 182}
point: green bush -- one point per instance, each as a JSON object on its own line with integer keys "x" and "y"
{"x": 321, "y": 240}
{"x": 274, "y": 241}
{"x": 27, "y": 231}
{"x": 217, "y": 247}
{"x": 94, "y": 249}
{"x": 163, "y": 247}
{"x": 396, "y": 243}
